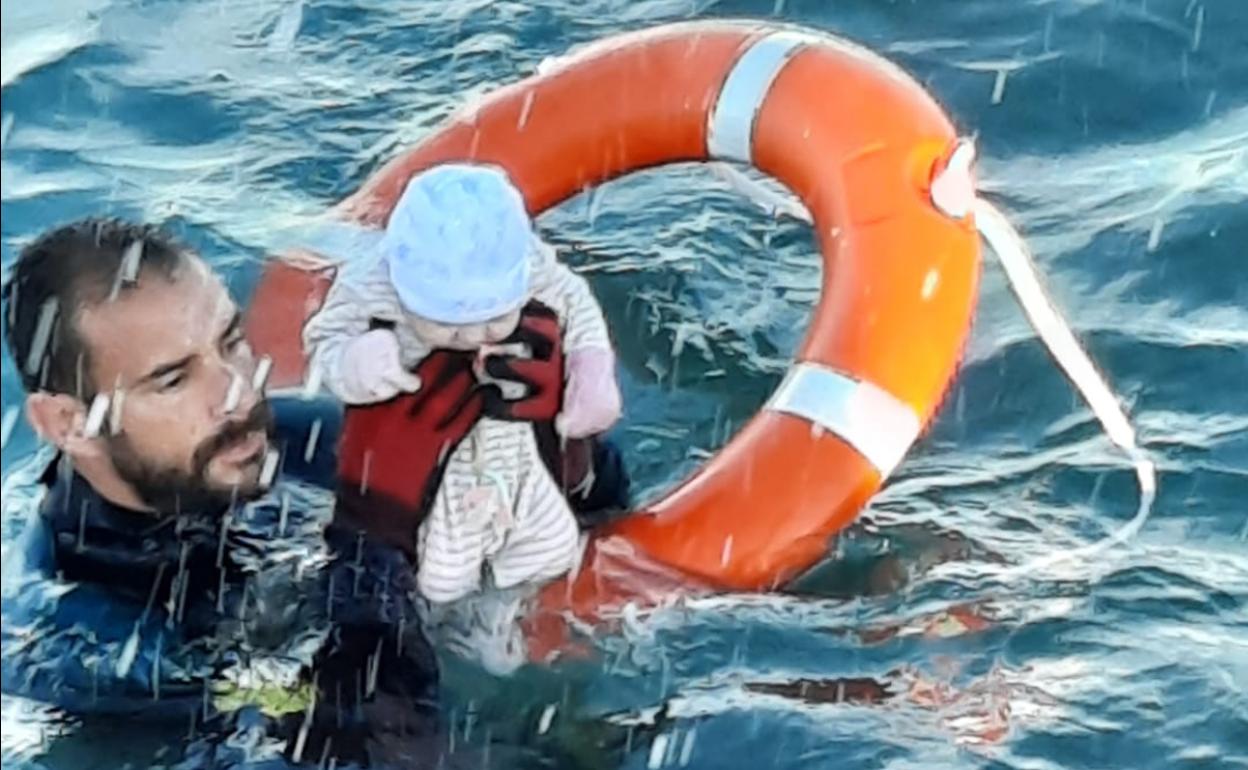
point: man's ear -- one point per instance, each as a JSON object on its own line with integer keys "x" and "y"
{"x": 61, "y": 420}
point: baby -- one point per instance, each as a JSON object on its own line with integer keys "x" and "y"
{"x": 457, "y": 264}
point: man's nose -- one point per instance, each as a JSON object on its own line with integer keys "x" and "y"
{"x": 238, "y": 393}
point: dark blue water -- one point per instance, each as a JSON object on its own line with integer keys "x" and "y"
{"x": 1118, "y": 141}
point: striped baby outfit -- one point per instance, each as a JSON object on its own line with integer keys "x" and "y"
{"x": 498, "y": 508}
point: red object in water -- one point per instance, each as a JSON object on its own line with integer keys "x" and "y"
{"x": 860, "y": 143}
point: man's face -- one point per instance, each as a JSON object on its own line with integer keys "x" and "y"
{"x": 187, "y": 427}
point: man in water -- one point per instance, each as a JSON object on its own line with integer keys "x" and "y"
{"x": 164, "y": 572}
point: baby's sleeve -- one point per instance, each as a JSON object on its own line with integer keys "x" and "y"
{"x": 356, "y": 296}
{"x": 569, "y": 295}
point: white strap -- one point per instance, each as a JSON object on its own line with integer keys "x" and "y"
{"x": 870, "y": 419}
{"x": 1020, "y": 270}
{"x": 730, "y": 131}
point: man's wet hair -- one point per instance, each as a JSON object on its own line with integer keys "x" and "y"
{"x": 63, "y": 271}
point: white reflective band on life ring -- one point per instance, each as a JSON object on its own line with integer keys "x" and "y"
{"x": 868, "y": 418}
{"x": 731, "y": 130}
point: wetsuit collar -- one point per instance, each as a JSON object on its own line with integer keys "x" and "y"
{"x": 101, "y": 542}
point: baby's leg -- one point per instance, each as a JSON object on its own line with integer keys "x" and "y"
{"x": 453, "y": 539}
{"x": 545, "y": 540}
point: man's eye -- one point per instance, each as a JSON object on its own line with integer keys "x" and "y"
{"x": 235, "y": 342}
{"x": 172, "y": 381}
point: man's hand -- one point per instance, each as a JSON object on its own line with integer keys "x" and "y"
{"x": 372, "y": 369}
{"x": 541, "y": 373}
{"x": 392, "y": 455}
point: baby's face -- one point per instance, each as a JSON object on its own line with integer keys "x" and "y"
{"x": 465, "y": 336}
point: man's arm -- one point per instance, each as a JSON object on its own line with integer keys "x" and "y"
{"x": 377, "y": 677}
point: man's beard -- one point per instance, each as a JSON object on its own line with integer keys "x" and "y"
{"x": 178, "y": 490}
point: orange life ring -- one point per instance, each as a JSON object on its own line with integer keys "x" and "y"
{"x": 860, "y": 143}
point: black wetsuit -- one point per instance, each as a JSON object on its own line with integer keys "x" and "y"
{"x": 271, "y": 635}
